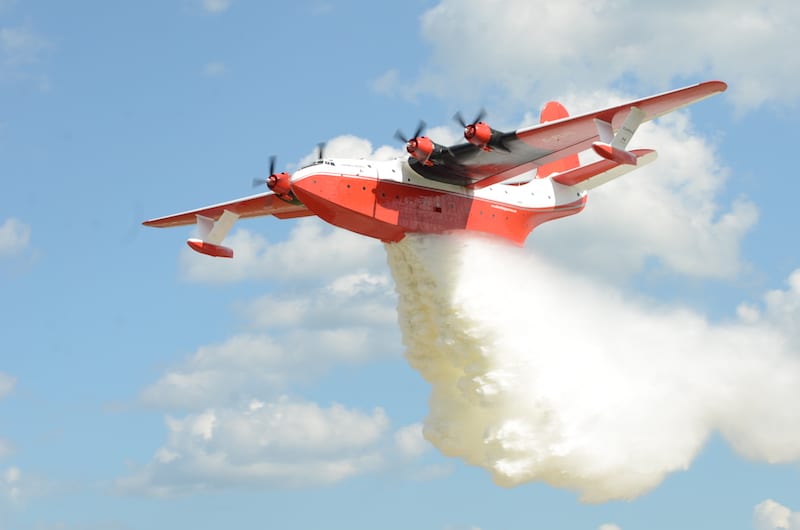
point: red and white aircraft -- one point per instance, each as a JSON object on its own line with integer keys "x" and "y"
{"x": 478, "y": 185}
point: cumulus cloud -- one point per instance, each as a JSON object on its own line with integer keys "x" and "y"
{"x": 350, "y": 146}
{"x": 281, "y": 443}
{"x": 351, "y": 319}
{"x": 14, "y": 237}
{"x": 668, "y": 210}
{"x": 532, "y": 51}
{"x": 339, "y": 307}
{"x": 313, "y": 250}
{"x": 410, "y": 440}
{"x": 538, "y": 374}
{"x": 771, "y": 515}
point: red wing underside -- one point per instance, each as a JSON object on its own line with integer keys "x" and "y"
{"x": 253, "y": 206}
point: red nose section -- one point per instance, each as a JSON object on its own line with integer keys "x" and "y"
{"x": 210, "y": 249}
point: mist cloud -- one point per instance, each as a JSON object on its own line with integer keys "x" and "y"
{"x": 542, "y": 375}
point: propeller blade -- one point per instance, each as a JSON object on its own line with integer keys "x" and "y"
{"x": 320, "y": 150}
{"x": 460, "y": 119}
{"x": 420, "y": 128}
{"x": 259, "y": 182}
{"x": 272, "y": 164}
{"x": 402, "y": 137}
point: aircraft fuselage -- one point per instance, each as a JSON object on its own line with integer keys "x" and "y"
{"x": 387, "y": 200}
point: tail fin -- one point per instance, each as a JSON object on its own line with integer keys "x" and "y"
{"x": 553, "y": 111}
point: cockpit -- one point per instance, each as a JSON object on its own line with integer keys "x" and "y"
{"x": 317, "y": 162}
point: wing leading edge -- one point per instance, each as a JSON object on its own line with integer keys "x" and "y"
{"x": 253, "y": 206}
{"x": 529, "y": 148}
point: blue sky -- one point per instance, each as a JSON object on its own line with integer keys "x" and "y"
{"x": 143, "y": 386}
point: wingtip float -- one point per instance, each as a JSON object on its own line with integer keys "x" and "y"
{"x": 477, "y": 185}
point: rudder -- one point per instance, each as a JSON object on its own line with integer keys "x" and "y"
{"x": 553, "y": 111}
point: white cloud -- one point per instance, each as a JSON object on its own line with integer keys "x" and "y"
{"x": 300, "y": 334}
{"x": 535, "y": 50}
{"x": 5, "y": 448}
{"x": 17, "y": 486}
{"x": 216, "y": 6}
{"x": 20, "y": 45}
{"x": 313, "y": 250}
{"x": 350, "y": 146}
{"x": 386, "y": 83}
{"x": 410, "y": 441}
{"x": 10, "y": 483}
{"x": 770, "y": 515}
{"x": 538, "y": 374}
{"x": 668, "y": 210}
{"x": 14, "y": 237}
{"x": 281, "y": 443}
{"x": 214, "y": 69}
{"x": 609, "y": 526}
{"x": 7, "y": 384}
{"x": 359, "y": 299}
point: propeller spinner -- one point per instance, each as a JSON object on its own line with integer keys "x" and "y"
{"x": 476, "y": 132}
{"x": 420, "y": 147}
{"x": 279, "y": 183}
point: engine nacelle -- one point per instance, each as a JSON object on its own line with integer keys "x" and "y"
{"x": 421, "y": 148}
{"x": 479, "y": 134}
{"x": 280, "y": 184}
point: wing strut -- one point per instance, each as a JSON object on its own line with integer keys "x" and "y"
{"x": 612, "y": 146}
{"x": 212, "y": 233}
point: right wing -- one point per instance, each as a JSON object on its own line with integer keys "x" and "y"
{"x": 254, "y": 206}
{"x": 529, "y": 148}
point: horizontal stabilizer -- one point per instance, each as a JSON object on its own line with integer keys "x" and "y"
{"x": 598, "y": 173}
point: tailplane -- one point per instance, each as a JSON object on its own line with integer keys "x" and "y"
{"x": 553, "y": 111}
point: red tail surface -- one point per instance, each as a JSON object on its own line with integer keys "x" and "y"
{"x": 553, "y": 111}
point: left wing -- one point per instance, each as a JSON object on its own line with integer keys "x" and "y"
{"x": 216, "y": 221}
{"x": 526, "y": 149}
{"x": 254, "y": 206}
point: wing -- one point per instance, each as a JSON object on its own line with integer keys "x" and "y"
{"x": 216, "y": 221}
{"x": 526, "y": 149}
{"x": 254, "y": 206}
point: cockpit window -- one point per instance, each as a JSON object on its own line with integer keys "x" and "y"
{"x": 317, "y": 162}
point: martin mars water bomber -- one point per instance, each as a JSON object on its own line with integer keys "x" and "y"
{"x": 501, "y": 183}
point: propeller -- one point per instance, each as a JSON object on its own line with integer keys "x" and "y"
{"x": 271, "y": 179}
{"x": 320, "y": 150}
{"x": 420, "y": 128}
{"x": 460, "y": 119}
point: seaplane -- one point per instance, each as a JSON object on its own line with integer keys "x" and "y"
{"x": 500, "y": 183}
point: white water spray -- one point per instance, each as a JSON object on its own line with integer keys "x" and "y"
{"x": 539, "y": 375}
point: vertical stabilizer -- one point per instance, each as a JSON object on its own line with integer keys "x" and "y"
{"x": 553, "y": 111}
